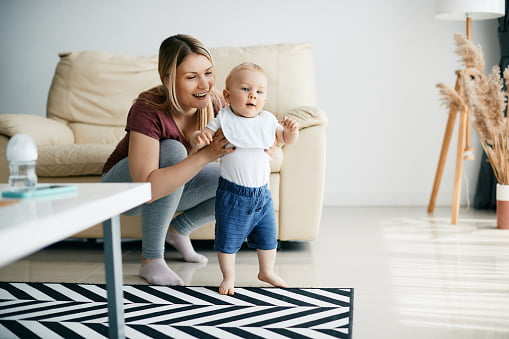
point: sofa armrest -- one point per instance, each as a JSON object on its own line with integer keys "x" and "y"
{"x": 44, "y": 131}
{"x": 302, "y": 177}
{"x": 308, "y": 116}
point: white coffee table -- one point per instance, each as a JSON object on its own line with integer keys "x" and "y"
{"x": 32, "y": 224}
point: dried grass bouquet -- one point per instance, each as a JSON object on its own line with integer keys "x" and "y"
{"x": 485, "y": 100}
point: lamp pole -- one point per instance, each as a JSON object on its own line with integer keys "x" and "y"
{"x": 469, "y": 26}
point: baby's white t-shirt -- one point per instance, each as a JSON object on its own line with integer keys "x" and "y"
{"x": 249, "y": 165}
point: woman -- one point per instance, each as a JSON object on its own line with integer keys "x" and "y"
{"x": 156, "y": 149}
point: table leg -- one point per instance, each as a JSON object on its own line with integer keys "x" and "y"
{"x": 114, "y": 282}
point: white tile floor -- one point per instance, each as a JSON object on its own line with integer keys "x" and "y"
{"x": 415, "y": 276}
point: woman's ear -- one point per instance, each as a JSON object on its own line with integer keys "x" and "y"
{"x": 226, "y": 95}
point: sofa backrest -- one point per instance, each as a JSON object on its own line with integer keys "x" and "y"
{"x": 92, "y": 91}
{"x": 289, "y": 68}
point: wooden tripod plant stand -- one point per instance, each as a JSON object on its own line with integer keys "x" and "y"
{"x": 454, "y": 10}
{"x": 464, "y": 151}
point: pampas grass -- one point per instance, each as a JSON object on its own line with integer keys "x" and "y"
{"x": 485, "y": 100}
{"x": 471, "y": 55}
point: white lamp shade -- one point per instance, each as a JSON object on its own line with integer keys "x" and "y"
{"x": 476, "y": 9}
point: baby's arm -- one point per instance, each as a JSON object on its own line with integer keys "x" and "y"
{"x": 290, "y": 131}
{"x": 202, "y": 138}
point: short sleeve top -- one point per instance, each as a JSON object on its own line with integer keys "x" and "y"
{"x": 151, "y": 121}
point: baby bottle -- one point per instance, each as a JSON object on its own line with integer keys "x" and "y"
{"x": 22, "y": 158}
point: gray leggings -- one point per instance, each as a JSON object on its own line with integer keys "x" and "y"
{"x": 196, "y": 199}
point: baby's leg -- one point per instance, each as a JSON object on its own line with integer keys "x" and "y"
{"x": 266, "y": 262}
{"x": 227, "y": 264}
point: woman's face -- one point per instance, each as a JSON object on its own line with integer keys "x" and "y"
{"x": 194, "y": 82}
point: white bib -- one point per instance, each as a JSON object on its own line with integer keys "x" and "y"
{"x": 249, "y": 165}
{"x": 256, "y": 132}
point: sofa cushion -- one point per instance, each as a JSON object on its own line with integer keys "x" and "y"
{"x": 96, "y": 134}
{"x": 98, "y": 87}
{"x": 44, "y": 131}
{"x": 72, "y": 160}
{"x": 86, "y": 159}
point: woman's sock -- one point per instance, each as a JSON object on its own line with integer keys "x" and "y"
{"x": 157, "y": 272}
{"x": 183, "y": 244}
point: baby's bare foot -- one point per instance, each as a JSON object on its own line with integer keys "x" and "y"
{"x": 273, "y": 279}
{"x": 226, "y": 287}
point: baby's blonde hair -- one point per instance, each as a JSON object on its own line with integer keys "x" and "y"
{"x": 244, "y": 66}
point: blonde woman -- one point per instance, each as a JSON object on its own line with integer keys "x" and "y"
{"x": 156, "y": 149}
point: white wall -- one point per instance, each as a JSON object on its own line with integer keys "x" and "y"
{"x": 376, "y": 73}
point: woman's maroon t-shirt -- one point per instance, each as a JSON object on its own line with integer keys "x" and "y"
{"x": 151, "y": 121}
{"x": 154, "y": 122}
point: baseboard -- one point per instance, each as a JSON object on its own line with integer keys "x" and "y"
{"x": 390, "y": 199}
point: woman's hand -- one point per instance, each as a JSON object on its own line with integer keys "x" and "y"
{"x": 271, "y": 149}
{"x": 166, "y": 180}
{"x": 217, "y": 148}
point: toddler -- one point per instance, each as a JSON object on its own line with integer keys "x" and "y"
{"x": 244, "y": 207}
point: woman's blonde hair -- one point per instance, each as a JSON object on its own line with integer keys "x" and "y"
{"x": 171, "y": 53}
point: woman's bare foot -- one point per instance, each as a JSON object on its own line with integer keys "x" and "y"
{"x": 226, "y": 287}
{"x": 272, "y": 279}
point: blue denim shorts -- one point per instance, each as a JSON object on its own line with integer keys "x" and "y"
{"x": 244, "y": 213}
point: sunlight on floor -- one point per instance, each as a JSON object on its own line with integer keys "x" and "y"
{"x": 450, "y": 276}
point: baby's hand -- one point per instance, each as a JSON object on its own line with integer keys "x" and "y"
{"x": 202, "y": 139}
{"x": 289, "y": 124}
{"x": 290, "y": 131}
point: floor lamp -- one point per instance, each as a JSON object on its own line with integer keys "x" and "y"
{"x": 467, "y": 10}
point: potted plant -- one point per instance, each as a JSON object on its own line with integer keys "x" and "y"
{"x": 484, "y": 98}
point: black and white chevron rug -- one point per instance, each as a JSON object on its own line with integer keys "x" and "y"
{"x": 53, "y": 310}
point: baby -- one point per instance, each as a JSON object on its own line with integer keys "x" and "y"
{"x": 244, "y": 207}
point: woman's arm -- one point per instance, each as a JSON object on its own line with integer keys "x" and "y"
{"x": 144, "y": 163}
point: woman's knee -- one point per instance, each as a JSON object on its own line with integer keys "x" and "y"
{"x": 118, "y": 173}
{"x": 171, "y": 152}
{"x": 209, "y": 179}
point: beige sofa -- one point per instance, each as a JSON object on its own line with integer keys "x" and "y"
{"x": 91, "y": 94}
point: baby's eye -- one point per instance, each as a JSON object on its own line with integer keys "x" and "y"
{"x": 259, "y": 92}
{"x": 245, "y": 89}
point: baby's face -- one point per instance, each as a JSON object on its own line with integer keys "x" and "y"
{"x": 247, "y": 93}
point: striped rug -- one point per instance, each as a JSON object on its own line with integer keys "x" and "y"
{"x": 54, "y": 310}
